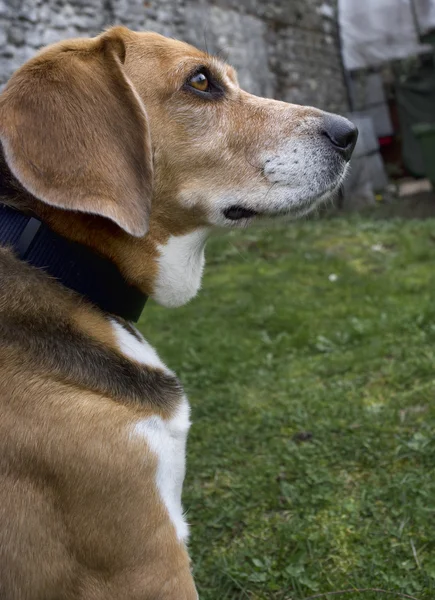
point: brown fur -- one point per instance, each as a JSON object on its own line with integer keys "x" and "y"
{"x": 80, "y": 515}
{"x": 81, "y": 141}
{"x": 195, "y": 143}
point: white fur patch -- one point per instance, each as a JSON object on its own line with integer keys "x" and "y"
{"x": 167, "y": 439}
{"x": 181, "y": 263}
{"x": 136, "y": 349}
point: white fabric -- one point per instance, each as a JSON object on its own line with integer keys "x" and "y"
{"x": 425, "y": 14}
{"x": 376, "y": 31}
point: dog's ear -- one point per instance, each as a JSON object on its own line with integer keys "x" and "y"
{"x": 75, "y": 132}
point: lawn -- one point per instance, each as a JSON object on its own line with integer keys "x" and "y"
{"x": 308, "y": 358}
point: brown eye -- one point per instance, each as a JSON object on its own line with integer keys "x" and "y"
{"x": 199, "y": 82}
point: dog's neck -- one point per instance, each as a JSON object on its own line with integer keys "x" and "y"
{"x": 180, "y": 266}
{"x": 167, "y": 264}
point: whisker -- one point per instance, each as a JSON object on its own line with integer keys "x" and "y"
{"x": 270, "y": 189}
{"x": 205, "y": 39}
{"x": 256, "y": 167}
{"x": 223, "y": 54}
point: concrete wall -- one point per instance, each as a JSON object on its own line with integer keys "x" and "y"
{"x": 285, "y": 49}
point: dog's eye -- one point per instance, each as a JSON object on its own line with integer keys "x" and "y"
{"x": 199, "y": 82}
{"x": 204, "y": 84}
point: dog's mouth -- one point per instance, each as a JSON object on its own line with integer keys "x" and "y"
{"x": 240, "y": 213}
{"x": 236, "y": 212}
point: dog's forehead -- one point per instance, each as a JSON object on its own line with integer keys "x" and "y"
{"x": 178, "y": 57}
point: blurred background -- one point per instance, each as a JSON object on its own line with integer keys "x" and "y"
{"x": 308, "y": 355}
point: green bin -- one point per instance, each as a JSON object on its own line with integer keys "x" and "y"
{"x": 425, "y": 133}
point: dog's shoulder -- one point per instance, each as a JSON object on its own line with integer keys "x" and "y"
{"x": 47, "y": 329}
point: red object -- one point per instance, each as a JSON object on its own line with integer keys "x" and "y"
{"x": 386, "y": 141}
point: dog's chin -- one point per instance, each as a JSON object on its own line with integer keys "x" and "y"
{"x": 238, "y": 215}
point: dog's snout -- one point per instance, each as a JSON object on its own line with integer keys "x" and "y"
{"x": 341, "y": 133}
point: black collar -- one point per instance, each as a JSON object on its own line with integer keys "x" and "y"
{"x": 73, "y": 265}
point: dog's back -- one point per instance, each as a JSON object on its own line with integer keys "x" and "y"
{"x": 80, "y": 516}
{"x": 121, "y": 154}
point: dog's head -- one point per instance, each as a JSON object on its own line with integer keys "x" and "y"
{"x": 157, "y": 137}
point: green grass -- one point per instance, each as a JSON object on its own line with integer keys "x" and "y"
{"x": 311, "y": 460}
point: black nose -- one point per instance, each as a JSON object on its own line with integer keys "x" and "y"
{"x": 341, "y": 133}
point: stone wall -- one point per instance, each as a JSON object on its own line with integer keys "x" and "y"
{"x": 285, "y": 49}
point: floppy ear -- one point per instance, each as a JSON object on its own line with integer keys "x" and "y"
{"x": 75, "y": 132}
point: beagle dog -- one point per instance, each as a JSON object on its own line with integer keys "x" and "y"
{"x": 119, "y": 155}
